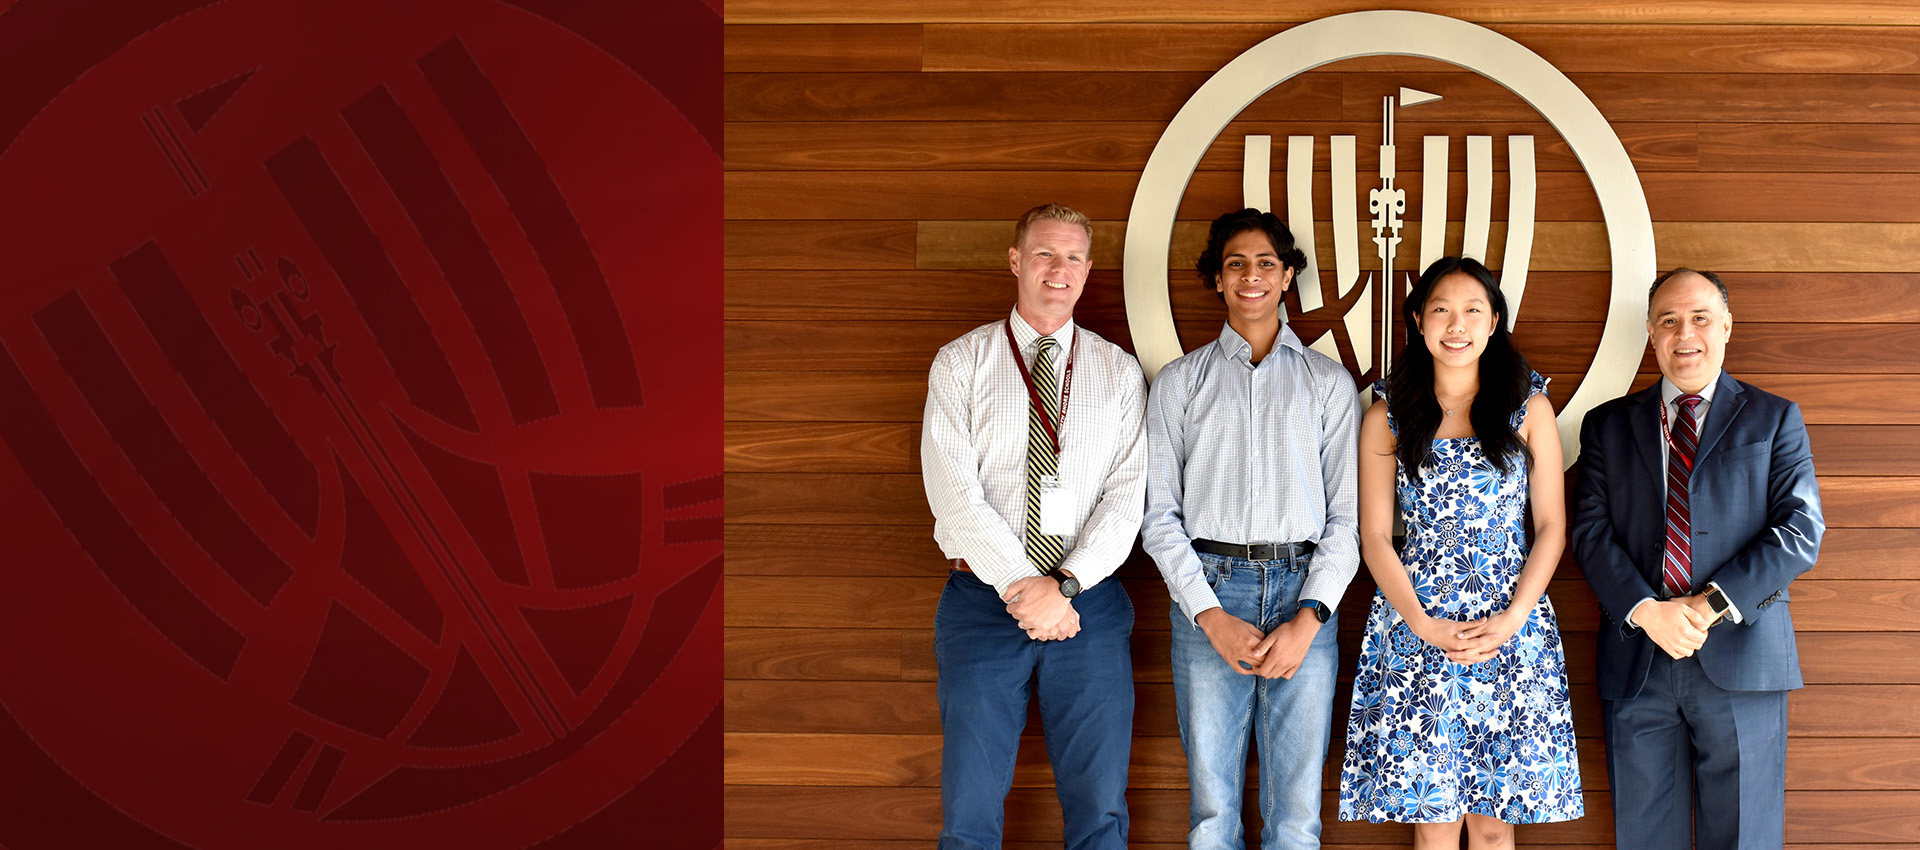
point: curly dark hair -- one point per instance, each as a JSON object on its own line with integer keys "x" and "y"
{"x": 1235, "y": 223}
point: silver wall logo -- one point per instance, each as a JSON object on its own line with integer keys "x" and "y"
{"x": 1369, "y": 325}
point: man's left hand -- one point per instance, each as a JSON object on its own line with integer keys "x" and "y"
{"x": 1698, "y": 602}
{"x": 1287, "y": 646}
{"x": 1035, "y": 602}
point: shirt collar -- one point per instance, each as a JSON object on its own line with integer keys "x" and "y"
{"x": 1238, "y": 348}
{"x": 1669, "y": 392}
{"x": 1025, "y": 336}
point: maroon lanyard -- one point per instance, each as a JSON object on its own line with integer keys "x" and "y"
{"x": 1033, "y": 393}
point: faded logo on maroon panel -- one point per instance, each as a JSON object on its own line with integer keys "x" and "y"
{"x": 360, "y": 460}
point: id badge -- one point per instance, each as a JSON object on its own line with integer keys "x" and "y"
{"x": 1056, "y": 508}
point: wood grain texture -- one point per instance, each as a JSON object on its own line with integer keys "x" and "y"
{"x": 1561, "y": 195}
{"x": 1316, "y": 96}
{"x": 819, "y": 245}
{"x": 826, "y": 47}
{"x": 1838, "y": 13}
{"x": 1104, "y": 145}
{"x": 1573, "y": 48}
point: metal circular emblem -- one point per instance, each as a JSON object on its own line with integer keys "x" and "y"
{"x": 1623, "y": 203}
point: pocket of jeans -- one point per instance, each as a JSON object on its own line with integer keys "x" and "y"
{"x": 1214, "y": 569}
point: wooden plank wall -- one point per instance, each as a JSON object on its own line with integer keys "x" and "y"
{"x": 877, "y": 151}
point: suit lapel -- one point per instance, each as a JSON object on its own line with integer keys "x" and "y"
{"x": 1727, "y": 401}
{"x": 1644, "y": 418}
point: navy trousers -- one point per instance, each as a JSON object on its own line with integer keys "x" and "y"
{"x": 989, "y": 669}
{"x": 1688, "y": 760}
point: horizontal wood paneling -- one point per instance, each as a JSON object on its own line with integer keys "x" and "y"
{"x": 1836, "y": 12}
{"x": 836, "y": 48}
{"x": 1045, "y": 143}
{"x": 1560, "y": 196}
{"x": 1320, "y": 96}
{"x": 1682, "y": 49}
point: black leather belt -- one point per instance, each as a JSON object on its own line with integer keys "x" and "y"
{"x": 1255, "y": 551}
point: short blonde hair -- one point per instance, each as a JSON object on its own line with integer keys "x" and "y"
{"x": 1050, "y": 212}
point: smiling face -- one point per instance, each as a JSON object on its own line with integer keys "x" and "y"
{"x": 1052, "y": 265}
{"x": 1457, "y": 320}
{"x": 1688, "y": 325}
{"x": 1252, "y": 278}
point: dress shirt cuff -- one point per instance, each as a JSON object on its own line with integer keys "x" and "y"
{"x": 1327, "y": 582}
{"x": 1733, "y": 611}
{"x": 1630, "y": 611}
{"x": 1194, "y": 596}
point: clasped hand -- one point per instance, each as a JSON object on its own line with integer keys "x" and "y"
{"x": 1035, "y": 602}
{"x": 1678, "y": 625}
{"x": 1469, "y": 641}
{"x": 1251, "y": 652}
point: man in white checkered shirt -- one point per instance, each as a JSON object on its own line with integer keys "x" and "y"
{"x": 1252, "y": 515}
{"x": 1033, "y": 453}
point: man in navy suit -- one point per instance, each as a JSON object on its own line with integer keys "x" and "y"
{"x": 1696, "y": 507}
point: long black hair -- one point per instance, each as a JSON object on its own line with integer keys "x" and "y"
{"x": 1212, "y": 259}
{"x": 1504, "y": 378}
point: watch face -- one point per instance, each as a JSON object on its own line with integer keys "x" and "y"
{"x": 1070, "y": 588}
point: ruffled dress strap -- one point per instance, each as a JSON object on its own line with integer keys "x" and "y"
{"x": 1380, "y": 392}
{"x": 1536, "y": 385}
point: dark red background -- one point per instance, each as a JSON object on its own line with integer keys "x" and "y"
{"x": 359, "y": 424}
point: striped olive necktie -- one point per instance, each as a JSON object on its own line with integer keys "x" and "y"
{"x": 1043, "y": 550}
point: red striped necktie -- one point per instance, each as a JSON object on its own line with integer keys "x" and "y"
{"x": 1677, "y": 565}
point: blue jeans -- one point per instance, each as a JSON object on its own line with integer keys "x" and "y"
{"x": 988, "y": 670}
{"x": 1219, "y": 707}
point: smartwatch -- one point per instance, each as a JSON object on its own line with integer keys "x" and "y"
{"x": 1069, "y": 586}
{"x": 1717, "y": 600}
{"x": 1320, "y": 611}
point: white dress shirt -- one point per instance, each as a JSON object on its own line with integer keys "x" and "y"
{"x": 973, "y": 451}
{"x": 1239, "y": 452}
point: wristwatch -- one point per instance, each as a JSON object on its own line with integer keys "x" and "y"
{"x": 1717, "y": 600}
{"x": 1320, "y": 611}
{"x": 1069, "y": 586}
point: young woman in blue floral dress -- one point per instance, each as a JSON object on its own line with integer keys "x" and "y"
{"x": 1460, "y": 713}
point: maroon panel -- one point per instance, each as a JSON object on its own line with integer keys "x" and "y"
{"x": 663, "y": 797}
{"x": 349, "y": 244}
{"x": 412, "y": 791}
{"x": 700, "y": 529}
{"x": 358, "y": 678}
{"x": 468, "y": 713}
{"x": 591, "y": 524}
{"x": 230, "y": 399}
{"x": 99, "y": 527}
{"x": 199, "y": 108}
{"x": 457, "y": 246}
{"x": 374, "y": 558}
{"x": 278, "y": 771}
{"x": 474, "y": 490}
{"x": 34, "y": 785}
{"x": 47, "y": 44}
{"x": 579, "y": 640}
{"x": 136, "y": 425}
{"x": 694, "y": 492}
{"x": 325, "y": 766}
{"x": 543, "y": 213}
{"x": 657, "y": 47}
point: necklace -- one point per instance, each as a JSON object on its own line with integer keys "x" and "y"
{"x": 1456, "y": 405}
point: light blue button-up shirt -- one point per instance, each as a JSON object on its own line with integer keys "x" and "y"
{"x": 1244, "y": 452}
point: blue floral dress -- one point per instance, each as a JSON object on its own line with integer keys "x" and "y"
{"x": 1429, "y": 740}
